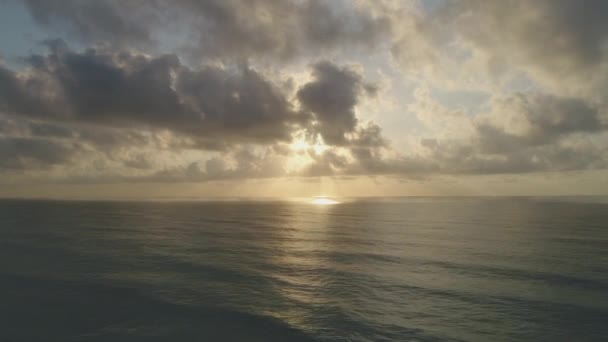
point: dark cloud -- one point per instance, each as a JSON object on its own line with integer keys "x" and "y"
{"x": 8, "y": 126}
{"x": 105, "y": 102}
{"x": 115, "y": 105}
{"x": 139, "y": 161}
{"x": 31, "y": 153}
{"x": 521, "y": 133}
{"x": 332, "y": 96}
{"x": 29, "y": 94}
{"x": 535, "y": 119}
{"x": 215, "y": 106}
{"x": 282, "y": 29}
{"x": 369, "y": 135}
{"x": 218, "y": 28}
{"x": 43, "y": 129}
{"x": 241, "y": 105}
{"x": 119, "y": 104}
{"x": 117, "y": 22}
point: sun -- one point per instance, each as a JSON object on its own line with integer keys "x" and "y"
{"x": 323, "y": 201}
{"x": 300, "y": 145}
{"x": 317, "y": 146}
{"x": 304, "y": 151}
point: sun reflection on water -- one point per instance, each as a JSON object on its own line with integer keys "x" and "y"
{"x": 323, "y": 201}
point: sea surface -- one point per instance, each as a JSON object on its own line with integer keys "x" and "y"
{"x": 393, "y": 269}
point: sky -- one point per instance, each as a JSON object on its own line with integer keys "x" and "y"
{"x": 299, "y": 98}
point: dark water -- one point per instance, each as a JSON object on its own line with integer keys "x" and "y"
{"x": 378, "y": 270}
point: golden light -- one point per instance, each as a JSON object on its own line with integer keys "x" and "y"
{"x": 304, "y": 151}
{"x": 300, "y": 144}
{"x": 323, "y": 201}
{"x": 319, "y": 148}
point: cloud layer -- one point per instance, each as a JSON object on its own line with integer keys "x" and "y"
{"x": 172, "y": 91}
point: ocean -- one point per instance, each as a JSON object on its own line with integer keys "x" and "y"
{"x": 378, "y": 269}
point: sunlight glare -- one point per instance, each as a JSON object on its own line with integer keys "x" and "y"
{"x": 317, "y": 146}
{"x": 323, "y": 201}
{"x": 300, "y": 145}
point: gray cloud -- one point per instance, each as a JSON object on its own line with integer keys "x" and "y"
{"x": 216, "y": 106}
{"x": 526, "y": 133}
{"x": 139, "y": 161}
{"x": 535, "y": 119}
{"x": 31, "y": 153}
{"x": 110, "y": 21}
{"x": 560, "y": 44}
{"x": 369, "y": 135}
{"x": 242, "y": 163}
{"x": 556, "y": 34}
{"x": 219, "y": 28}
{"x": 118, "y": 105}
{"x": 332, "y": 96}
{"x": 521, "y": 133}
{"x": 283, "y": 29}
{"x": 468, "y": 158}
{"x": 43, "y": 129}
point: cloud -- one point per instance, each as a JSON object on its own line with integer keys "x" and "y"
{"x": 120, "y": 110}
{"x": 560, "y": 45}
{"x": 332, "y": 96}
{"x": 43, "y": 129}
{"x": 139, "y": 161}
{"x": 225, "y": 29}
{"x": 215, "y": 106}
{"x": 117, "y": 22}
{"x": 30, "y": 153}
{"x": 560, "y": 38}
{"x": 522, "y": 133}
{"x": 240, "y": 164}
{"x": 537, "y": 119}
{"x": 519, "y": 133}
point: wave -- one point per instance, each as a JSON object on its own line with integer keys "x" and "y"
{"x": 68, "y": 311}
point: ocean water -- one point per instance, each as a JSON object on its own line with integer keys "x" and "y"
{"x": 404, "y": 269}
